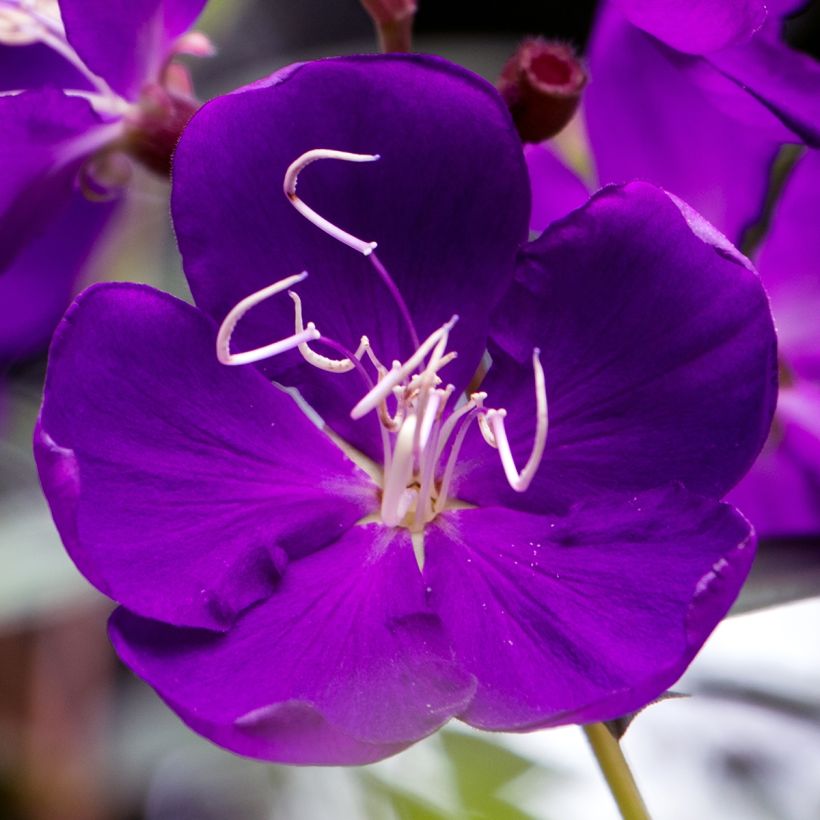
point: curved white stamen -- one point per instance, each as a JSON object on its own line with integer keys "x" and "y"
{"x": 476, "y": 401}
{"x": 310, "y": 356}
{"x": 495, "y": 419}
{"x": 431, "y": 408}
{"x": 398, "y": 476}
{"x": 47, "y": 28}
{"x": 486, "y": 432}
{"x": 452, "y": 458}
{"x": 399, "y": 371}
{"x": 226, "y": 329}
{"x": 292, "y": 177}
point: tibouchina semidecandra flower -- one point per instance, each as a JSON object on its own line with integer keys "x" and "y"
{"x": 324, "y": 555}
{"x": 649, "y": 118}
{"x": 84, "y": 85}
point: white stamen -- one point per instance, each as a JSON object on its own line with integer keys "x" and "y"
{"x": 292, "y": 177}
{"x": 399, "y": 372}
{"x": 495, "y": 419}
{"x": 486, "y": 432}
{"x": 316, "y": 359}
{"x": 431, "y": 409}
{"x": 476, "y": 401}
{"x": 398, "y": 476}
{"x": 226, "y": 329}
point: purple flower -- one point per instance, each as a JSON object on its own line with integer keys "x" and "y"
{"x": 650, "y": 117}
{"x": 83, "y": 83}
{"x": 733, "y": 51}
{"x": 329, "y": 577}
{"x": 781, "y": 494}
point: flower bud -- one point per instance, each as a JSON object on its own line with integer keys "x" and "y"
{"x": 542, "y": 84}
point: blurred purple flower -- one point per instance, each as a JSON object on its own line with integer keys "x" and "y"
{"x": 321, "y": 587}
{"x": 781, "y": 494}
{"x": 81, "y": 84}
{"x": 649, "y": 116}
{"x": 733, "y": 50}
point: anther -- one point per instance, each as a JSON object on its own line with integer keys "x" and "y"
{"x": 310, "y": 356}
{"x": 226, "y": 329}
{"x": 292, "y": 177}
{"x": 399, "y": 372}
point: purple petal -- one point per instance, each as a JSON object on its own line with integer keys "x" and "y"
{"x": 696, "y": 26}
{"x": 648, "y": 119}
{"x": 127, "y": 41}
{"x": 789, "y": 268}
{"x": 583, "y": 618}
{"x": 44, "y": 136}
{"x": 781, "y": 79}
{"x": 35, "y": 290}
{"x": 556, "y": 190}
{"x": 180, "y": 486}
{"x": 781, "y": 493}
{"x": 658, "y": 351}
{"x": 37, "y": 65}
{"x": 344, "y": 664}
{"x": 447, "y": 203}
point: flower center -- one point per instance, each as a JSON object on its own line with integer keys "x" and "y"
{"x": 422, "y": 422}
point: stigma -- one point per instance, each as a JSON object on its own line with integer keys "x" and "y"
{"x": 422, "y": 420}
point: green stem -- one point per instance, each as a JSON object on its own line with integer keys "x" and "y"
{"x": 615, "y": 769}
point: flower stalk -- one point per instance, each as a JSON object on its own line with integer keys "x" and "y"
{"x": 616, "y": 771}
{"x": 393, "y": 20}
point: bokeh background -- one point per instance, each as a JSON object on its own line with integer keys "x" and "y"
{"x": 81, "y": 739}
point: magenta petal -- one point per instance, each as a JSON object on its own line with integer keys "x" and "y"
{"x": 788, "y": 265}
{"x": 35, "y": 290}
{"x": 556, "y": 189}
{"x": 696, "y": 26}
{"x": 180, "y": 486}
{"x": 658, "y": 351}
{"x": 44, "y": 136}
{"x": 587, "y": 617}
{"x": 344, "y": 664}
{"x": 447, "y": 202}
{"x": 783, "y": 80}
{"x": 37, "y": 65}
{"x": 648, "y": 119}
{"x": 127, "y": 41}
{"x": 781, "y": 493}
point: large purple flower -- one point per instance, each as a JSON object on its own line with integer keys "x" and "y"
{"x": 81, "y": 84}
{"x": 330, "y": 576}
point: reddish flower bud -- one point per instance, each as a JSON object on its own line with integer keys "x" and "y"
{"x": 542, "y": 84}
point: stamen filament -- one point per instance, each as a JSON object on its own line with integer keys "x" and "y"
{"x": 398, "y": 476}
{"x": 229, "y": 323}
{"x": 476, "y": 401}
{"x": 495, "y": 419}
{"x": 310, "y": 356}
{"x": 291, "y": 179}
{"x": 399, "y": 372}
{"x": 452, "y": 458}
